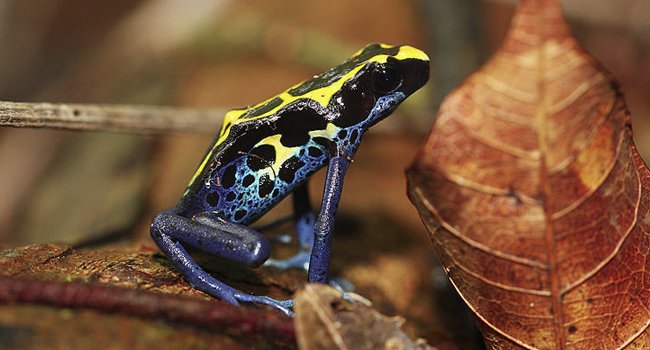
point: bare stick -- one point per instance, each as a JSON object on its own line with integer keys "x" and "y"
{"x": 119, "y": 118}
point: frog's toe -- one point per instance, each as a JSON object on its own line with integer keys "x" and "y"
{"x": 346, "y": 288}
{"x": 286, "y": 306}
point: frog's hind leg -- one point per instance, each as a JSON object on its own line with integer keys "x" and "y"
{"x": 304, "y": 220}
{"x": 214, "y": 236}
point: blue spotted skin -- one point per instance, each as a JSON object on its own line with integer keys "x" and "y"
{"x": 268, "y": 151}
{"x": 243, "y": 194}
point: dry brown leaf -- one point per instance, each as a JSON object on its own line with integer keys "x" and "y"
{"x": 325, "y": 321}
{"x": 536, "y": 198}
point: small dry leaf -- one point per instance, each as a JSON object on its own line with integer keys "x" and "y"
{"x": 536, "y": 198}
{"x": 325, "y": 321}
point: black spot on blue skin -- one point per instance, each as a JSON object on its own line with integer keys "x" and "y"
{"x": 275, "y": 193}
{"x": 230, "y": 196}
{"x": 322, "y": 141}
{"x": 260, "y": 157}
{"x": 213, "y": 199}
{"x": 239, "y": 214}
{"x": 342, "y": 134}
{"x": 327, "y": 144}
{"x": 314, "y": 152}
{"x": 266, "y": 186}
{"x": 228, "y": 176}
{"x": 354, "y": 136}
{"x": 248, "y": 180}
{"x": 289, "y": 168}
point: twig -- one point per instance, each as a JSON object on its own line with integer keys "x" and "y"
{"x": 215, "y": 315}
{"x": 119, "y": 118}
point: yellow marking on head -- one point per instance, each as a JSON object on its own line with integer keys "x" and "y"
{"x": 406, "y": 52}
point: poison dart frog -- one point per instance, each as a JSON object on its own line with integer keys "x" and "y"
{"x": 266, "y": 152}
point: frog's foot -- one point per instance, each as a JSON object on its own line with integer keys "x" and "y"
{"x": 204, "y": 282}
{"x": 286, "y": 306}
{"x": 216, "y": 237}
{"x": 298, "y": 261}
{"x": 345, "y": 292}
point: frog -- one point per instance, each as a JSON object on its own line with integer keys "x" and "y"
{"x": 268, "y": 151}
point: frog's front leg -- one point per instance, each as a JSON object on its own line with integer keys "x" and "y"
{"x": 322, "y": 249}
{"x": 304, "y": 222}
{"x": 216, "y": 236}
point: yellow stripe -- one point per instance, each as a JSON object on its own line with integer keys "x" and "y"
{"x": 406, "y": 52}
{"x": 329, "y": 133}
{"x": 282, "y": 153}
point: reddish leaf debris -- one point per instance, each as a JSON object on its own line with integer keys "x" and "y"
{"x": 215, "y": 315}
{"x": 536, "y": 198}
{"x": 132, "y": 282}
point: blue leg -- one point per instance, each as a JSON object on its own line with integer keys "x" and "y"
{"x": 215, "y": 236}
{"x": 320, "y": 254}
{"x": 304, "y": 221}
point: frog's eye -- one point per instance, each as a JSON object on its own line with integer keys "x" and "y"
{"x": 386, "y": 79}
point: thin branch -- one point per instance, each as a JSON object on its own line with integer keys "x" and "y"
{"x": 214, "y": 315}
{"x": 119, "y": 118}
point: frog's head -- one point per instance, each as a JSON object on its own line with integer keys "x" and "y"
{"x": 382, "y": 78}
